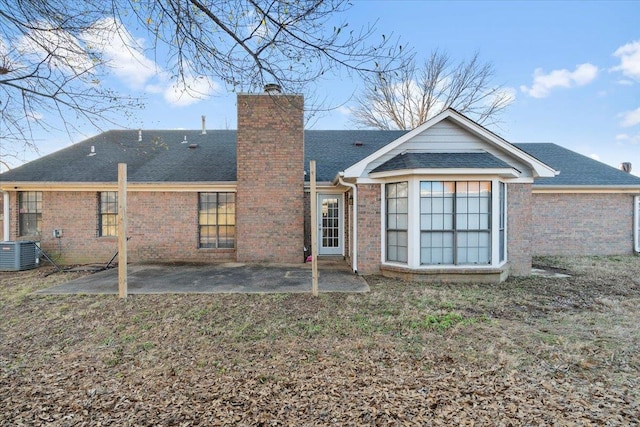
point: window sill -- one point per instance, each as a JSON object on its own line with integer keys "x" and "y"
{"x": 449, "y": 274}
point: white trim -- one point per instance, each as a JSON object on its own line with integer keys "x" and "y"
{"x": 353, "y": 223}
{"x": 340, "y": 198}
{"x": 383, "y": 224}
{"x": 179, "y": 187}
{"x": 636, "y": 221}
{"x": 495, "y": 222}
{"x": 413, "y": 225}
{"x": 620, "y": 189}
{"x": 6, "y": 236}
{"x": 506, "y": 224}
{"x": 539, "y": 168}
{"x": 475, "y": 177}
{"x": 502, "y": 172}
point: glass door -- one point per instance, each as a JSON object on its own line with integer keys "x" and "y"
{"x": 330, "y": 224}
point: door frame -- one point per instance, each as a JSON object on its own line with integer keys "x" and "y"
{"x": 339, "y": 250}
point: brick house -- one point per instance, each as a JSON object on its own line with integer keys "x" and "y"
{"x": 448, "y": 200}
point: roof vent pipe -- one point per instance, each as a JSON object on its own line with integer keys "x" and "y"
{"x": 185, "y": 140}
{"x": 204, "y": 125}
{"x": 626, "y": 167}
{"x": 139, "y": 135}
{"x": 272, "y": 88}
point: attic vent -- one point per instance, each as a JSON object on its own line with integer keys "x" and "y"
{"x": 193, "y": 145}
{"x": 185, "y": 140}
{"x": 626, "y": 167}
{"x": 358, "y": 143}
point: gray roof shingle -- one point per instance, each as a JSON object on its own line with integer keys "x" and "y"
{"x": 162, "y": 156}
{"x": 576, "y": 169}
{"x": 442, "y": 161}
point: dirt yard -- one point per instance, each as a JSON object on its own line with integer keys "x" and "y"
{"x": 532, "y": 351}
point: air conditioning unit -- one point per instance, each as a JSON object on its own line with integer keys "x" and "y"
{"x": 17, "y": 256}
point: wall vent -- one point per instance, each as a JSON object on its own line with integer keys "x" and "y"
{"x": 17, "y": 256}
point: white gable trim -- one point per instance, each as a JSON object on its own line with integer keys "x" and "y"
{"x": 539, "y": 169}
{"x": 501, "y": 172}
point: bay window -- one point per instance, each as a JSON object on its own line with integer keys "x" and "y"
{"x": 440, "y": 223}
{"x": 397, "y": 221}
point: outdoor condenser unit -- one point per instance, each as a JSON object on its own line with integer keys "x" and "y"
{"x": 17, "y": 256}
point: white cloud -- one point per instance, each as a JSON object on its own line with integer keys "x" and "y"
{"x": 543, "y": 83}
{"x": 62, "y": 51}
{"x": 34, "y": 116}
{"x": 127, "y": 61}
{"x": 629, "y": 55}
{"x": 630, "y": 118}
{"x": 631, "y": 139}
{"x": 122, "y": 52}
{"x": 344, "y": 110}
{"x": 595, "y": 157}
{"x": 507, "y": 94}
{"x": 189, "y": 91}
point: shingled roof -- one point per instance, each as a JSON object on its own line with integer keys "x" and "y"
{"x": 576, "y": 169}
{"x": 165, "y": 156}
{"x": 442, "y": 161}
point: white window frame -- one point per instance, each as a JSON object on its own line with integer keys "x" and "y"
{"x": 413, "y": 259}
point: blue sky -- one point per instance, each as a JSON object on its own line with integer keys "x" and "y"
{"x": 573, "y": 68}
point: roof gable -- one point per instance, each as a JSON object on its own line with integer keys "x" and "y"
{"x": 466, "y": 136}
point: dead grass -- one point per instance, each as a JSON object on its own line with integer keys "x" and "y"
{"x": 531, "y": 351}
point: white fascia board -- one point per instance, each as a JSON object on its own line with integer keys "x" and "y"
{"x": 539, "y": 168}
{"x": 131, "y": 186}
{"x": 450, "y": 177}
{"x": 501, "y": 172}
{"x": 325, "y": 186}
{"x": 620, "y": 189}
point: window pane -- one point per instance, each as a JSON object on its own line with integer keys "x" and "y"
{"x": 216, "y": 219}
{"x": 462, "y": 206}
{"x": 403, "y": 188}
{"x": 402, "y": 221}
{"x": 436, "y": 248}
{"x": 29, "y": 213}
{"x": 397, "y": 246}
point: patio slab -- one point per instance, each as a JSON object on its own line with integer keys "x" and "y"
{"x": 214, "y": 278}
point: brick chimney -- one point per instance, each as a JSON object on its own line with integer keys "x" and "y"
{"x": 270, "y": 173}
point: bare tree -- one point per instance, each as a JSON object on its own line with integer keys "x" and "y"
{"x": 48, "y": 71}
{"x": 409, "y": 96}
{"x": 52, "y": 52}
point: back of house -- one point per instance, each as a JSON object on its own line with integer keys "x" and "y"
{"x": 449, "y": 200}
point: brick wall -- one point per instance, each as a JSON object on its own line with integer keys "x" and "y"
{"x": 369, "y": 239}
{"x": 163, "y": 226}
{"x": 582, "y": 224}
{"x": 519, "y": 228}
{"x": 270, "y": 198}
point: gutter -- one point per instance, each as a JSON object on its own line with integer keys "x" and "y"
{"x": 5, "y": 219}
{"x": 354, "y": 262}
{"x": 636, "y": 224}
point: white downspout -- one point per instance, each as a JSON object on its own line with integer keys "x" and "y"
{"x": 354, "y": 259}
{"x": 636, "y": 224}
{"x": 5, "y": 219}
